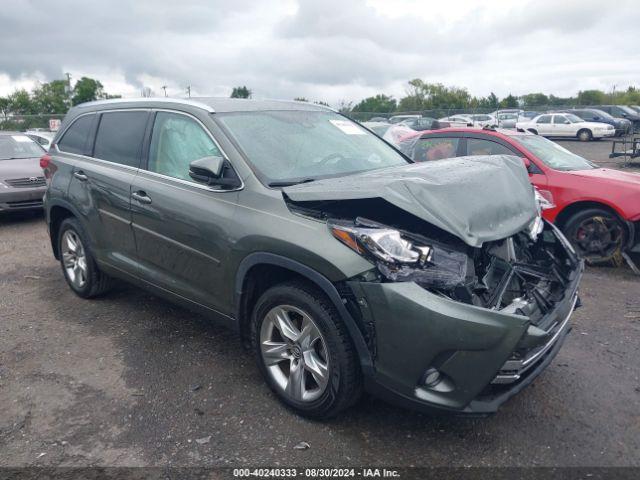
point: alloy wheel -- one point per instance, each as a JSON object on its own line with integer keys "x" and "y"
{"x": 294, "y": 353}
{"x": 598, "y": 237}
{"x": 74, "y": 259}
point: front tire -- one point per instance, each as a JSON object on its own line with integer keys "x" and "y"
{"x": 585, "y": 135}
{"x": 304, "y": 351}
{"x": 78, "y": 264}
{"x": 597, "y": 235}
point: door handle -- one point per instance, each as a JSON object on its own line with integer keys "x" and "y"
{"x": 80, "y": 175}
{"x": 141, "y": 197}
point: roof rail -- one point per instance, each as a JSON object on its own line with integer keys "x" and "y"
{"x": 181, "y": 101}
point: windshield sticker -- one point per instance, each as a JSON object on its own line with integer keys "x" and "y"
{"x": 21, "y": 138}
{"x": 348, "y": 127}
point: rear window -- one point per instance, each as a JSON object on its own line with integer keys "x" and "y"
{"x": 75, "y": 138}
{"x": 13, "y": 147}
{"x": 119, "y": 137}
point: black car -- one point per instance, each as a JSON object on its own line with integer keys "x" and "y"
{"x": 622, "y": 125}
{"x": 622, "y": 111}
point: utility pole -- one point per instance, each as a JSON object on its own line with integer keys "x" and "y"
{"x": 68, "y": 89}
{"x": 164, "y": 87}
{"x": 189, "y": 91}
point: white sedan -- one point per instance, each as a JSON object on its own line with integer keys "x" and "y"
{"x": 566, "y": 125}
{"x": 458, "y": 121}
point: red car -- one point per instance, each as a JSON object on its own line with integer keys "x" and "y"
{"x": 598, "y": 209}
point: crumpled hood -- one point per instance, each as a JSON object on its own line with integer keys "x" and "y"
{"x": 478, "y": 199}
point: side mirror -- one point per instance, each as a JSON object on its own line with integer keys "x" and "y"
{"x": 566, "y": 122}
{"x": 214, "y": 171}
{"x": 206, "y": 169}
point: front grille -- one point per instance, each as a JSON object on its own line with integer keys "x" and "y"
{"x": 25, "y": 182}
{"x": 516, "y": 367}
{"x": 25, "y": 203}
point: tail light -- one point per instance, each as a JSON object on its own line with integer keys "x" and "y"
{"x": 44, "y": 161}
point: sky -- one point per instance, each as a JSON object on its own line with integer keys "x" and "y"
{"x": 329, "y": 50}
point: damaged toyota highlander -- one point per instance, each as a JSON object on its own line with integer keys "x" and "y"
{"x": 343, "y": 265}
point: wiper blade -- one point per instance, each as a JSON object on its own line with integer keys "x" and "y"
{"x": 291, "y": 182}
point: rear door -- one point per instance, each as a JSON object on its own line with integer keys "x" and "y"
{"x": 544, "y": 126}
{"x": 437, "y": 147}
{"x": 180, "y": 225}
{"x": 101, "y": 184}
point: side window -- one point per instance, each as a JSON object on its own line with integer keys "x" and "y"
{"x": 544, "y": 119}
{"x": 478, "y": 146}
{"x": 119, "y": 137}
{"x": 75, "y": 138}
{"x": 437, "y": 148}
{"x": 559, "y": 119}
{"x": 176, "y": 141}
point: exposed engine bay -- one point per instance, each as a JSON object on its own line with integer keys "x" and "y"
{"x": 524, "y": 274}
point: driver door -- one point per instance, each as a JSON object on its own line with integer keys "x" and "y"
{"x": 180, "y": 225}
{"x": 562, "y": 127}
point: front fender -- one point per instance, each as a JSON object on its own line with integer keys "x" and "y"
{"x": 321, "y": 281}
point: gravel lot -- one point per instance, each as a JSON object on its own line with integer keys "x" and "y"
{"x": 130, "y": 380}
{"x": 599, "y": 152}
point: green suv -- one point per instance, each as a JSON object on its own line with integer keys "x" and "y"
{"x": 343, "y": 266}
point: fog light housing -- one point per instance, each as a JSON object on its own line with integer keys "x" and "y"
{"x": 431, "y": 377}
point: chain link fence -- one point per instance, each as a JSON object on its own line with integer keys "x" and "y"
{"x": 21, "y": 123}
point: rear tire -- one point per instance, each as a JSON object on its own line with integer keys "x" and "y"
{"x": 597, "y": 235}
{"x": 585, "y": 135}
{"x": 331, "y": 379}
{"x": 78, "y": 264}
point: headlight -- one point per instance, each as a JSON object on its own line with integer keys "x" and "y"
{"x": 544, "y": 199}
{"x": 383, "y": 243}
{"x": 398, "y": 258}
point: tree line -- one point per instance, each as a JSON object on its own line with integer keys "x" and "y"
{"x": 421, "y": 95}
{"x": 57, "y": 96}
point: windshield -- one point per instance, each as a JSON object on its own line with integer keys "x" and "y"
{"x": 601, "y": 114}
{"x": 286, "y": 147}
{"x": 552, "y": 154}
{"x": 18, "y": 146}
{"x": 627, "y": 109}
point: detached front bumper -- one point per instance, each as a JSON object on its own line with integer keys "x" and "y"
{"x": 473, "y": 348}
{"x": 14, "y": 199}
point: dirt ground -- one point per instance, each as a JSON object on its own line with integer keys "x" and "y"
{"x": 130, "y": 380}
